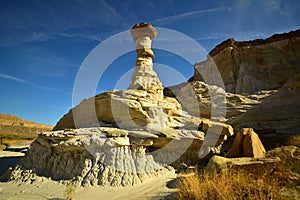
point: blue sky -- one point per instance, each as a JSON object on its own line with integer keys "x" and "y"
{"x": 43, "y": 43}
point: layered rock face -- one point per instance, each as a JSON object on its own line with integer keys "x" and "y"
{"x": 124, "y": 109}
{"x": 279, "y": 113}
{"x": 199, "y": 99}
{"x": 11, "y": 124}
{"x": 252, "y": 66}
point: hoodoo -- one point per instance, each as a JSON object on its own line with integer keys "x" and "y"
{"x": 144, "y": 77}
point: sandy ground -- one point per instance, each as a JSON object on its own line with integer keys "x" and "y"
{"x": 4, "y": 154}
{"x": 153, "y": 189}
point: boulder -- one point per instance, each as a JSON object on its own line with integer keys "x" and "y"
{"x": 236, "y": 150}
{"x": 252, "y": 146}
{"x": 288, "y": 170}
{"x": 217, "y": 128}
{"x": 257, "y": 166}
{"x": 246, "y": 144}
{"x": 290, "y": 156}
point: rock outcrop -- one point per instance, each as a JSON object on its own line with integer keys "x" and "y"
{"x": 252, "y": 66}
{"x": 116, "y": 157}
{"x": 257, "y": 166}
{"x": 122, "y": 138}
{"x": 261, "y": 92}
{"x": 279, "y": 113}
{"x": 199, "y": 99}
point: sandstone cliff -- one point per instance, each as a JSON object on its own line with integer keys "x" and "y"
{"x": 252, "y": 66}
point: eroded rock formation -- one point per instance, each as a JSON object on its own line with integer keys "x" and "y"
{"x": 124, "y": 109}
{"x": 90, "y": 156}
{"x": 121, "y": 138}
{"x": 261, "y": 92}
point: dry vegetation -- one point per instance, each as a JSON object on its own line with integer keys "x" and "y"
{"x": 17, "y": 135}
{"x": 70, "y": 190}
{"x": 230, "y": 185}
{"x": 17, "y": 138}
{"x": 279, "y": 183}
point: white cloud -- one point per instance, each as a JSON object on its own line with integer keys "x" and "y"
{"x": 37, "y": 37}
{"x": 189, "y": 14}
{"x": 20, "y": 80}
{"x": 13, "y": 78}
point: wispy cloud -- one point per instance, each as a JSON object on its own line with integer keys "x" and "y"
{"x": 32, "y": 84}
{"x": 13, "y": 78}
{"x": 189, "y": 14}
{"x": 35, "y": 21}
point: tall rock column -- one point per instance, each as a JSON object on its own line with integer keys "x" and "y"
{"x": 143, "y": 77}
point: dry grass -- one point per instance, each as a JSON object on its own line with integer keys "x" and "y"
{"x": 70, "y": 190}
{"x": 293, "y": 141}
{"x": 13, "y": 139}
{"x": 229, "y": 185}
{"x": 239, "y": 184}
{"x": 16, "y": 142}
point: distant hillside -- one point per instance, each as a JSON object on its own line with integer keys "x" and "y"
{"x": 13, "y": 124}
{"x": 14, "y": 129}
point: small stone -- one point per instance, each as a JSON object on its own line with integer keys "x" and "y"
{"x": 217, "y": 128}
{"x": 114, "y": 132}
{"x": 120, "y": 141}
